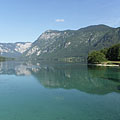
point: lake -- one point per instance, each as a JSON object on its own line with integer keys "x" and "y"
{"x": 38, "y": 91}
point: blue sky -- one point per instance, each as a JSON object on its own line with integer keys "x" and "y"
{"x": 25, "y": 20}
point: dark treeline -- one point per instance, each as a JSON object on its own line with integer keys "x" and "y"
{"x": 112, "y": 54}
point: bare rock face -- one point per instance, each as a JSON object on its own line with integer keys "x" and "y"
{"x": 14, "y": 49}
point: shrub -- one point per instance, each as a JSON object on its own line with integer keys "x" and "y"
{"x": 96, "y": 57}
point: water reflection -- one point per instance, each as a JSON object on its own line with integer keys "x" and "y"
{"x": 94, "y": 80}
{"x": 16, "y": 68}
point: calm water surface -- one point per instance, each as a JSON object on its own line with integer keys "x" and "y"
{"x": 58, "y": 92}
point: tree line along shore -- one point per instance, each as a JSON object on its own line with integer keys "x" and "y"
{"x": 105, "y": 57}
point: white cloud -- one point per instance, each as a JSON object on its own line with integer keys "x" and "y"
{"x": 59, "y": 20}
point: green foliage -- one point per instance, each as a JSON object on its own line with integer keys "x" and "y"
{"x": 96, "y": 57}
{"x": 104, "y": 51}
{"x": 114, "y": 53}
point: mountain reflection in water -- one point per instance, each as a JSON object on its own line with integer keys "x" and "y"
{"x": 93, "y": 80}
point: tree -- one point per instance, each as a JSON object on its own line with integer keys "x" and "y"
{"x": 114, "y": 53}
{"x": 104, "y": 51}
{"x": 96, "y": 57}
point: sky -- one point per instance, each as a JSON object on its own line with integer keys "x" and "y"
{"x": 25, "y": 20}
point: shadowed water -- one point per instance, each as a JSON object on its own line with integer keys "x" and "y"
{"x": 37, "y": 91}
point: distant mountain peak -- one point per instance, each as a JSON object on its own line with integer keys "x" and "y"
{"x": 49, "y": 34}
{"x": 100, "y": 27}
{"x": 49, "y": 31}
{"x": 14, "y": 49}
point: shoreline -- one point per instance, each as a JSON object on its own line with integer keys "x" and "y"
{"x": 107, "y": 65}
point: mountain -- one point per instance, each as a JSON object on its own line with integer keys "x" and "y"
{"x": 53, "y": 44}
{"x": 13, "y": 49}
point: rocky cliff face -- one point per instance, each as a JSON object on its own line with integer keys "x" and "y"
{"x": 73, "y": 43}
{"x": 14, "y": 49}
{"x": 48, "y": 42}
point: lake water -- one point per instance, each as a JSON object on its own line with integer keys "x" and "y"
{"x": 58, "y": 92}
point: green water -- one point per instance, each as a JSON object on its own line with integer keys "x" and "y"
{"x": 58, "y": 92}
